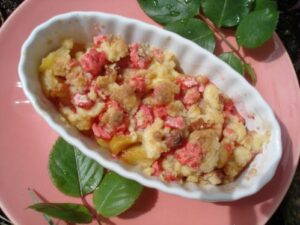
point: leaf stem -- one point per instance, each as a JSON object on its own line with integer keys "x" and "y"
{"x": 250, "y": 74}
{"x": 222, "y": 36}
{"x": 91, "y": 209}
{"x": 36, "y": 199}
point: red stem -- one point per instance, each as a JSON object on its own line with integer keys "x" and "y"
{"x": 91, "y": 209}
{"x": 221, "y": 36}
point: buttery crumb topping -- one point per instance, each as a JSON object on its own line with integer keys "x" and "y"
{"x": 136, "y": 103}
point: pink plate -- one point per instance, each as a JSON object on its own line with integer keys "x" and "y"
{"x": 25, "y": 139}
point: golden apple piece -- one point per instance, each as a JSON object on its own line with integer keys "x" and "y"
{"x": 136, "y": 155}
{"x": 102, "y": 143}
{"x": 224, "y": 157}
{"x": 48, "y": 62}
{"x": 121, "y": 142}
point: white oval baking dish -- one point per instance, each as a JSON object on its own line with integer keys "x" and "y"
{"x": 82, "y": 26}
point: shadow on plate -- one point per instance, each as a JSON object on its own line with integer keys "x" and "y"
{"x": 269, "y": 51}
{"x": 143, "y": 205}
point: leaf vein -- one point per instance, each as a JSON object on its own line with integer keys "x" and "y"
{"x": 108, "y": 194}
{"x": 201, "y": 37}
{"x": 77, "y": 170}
{"x": 222, "y": 13}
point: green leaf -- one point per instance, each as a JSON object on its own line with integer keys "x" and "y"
{"x": 250, "y": 73}
{"x": 167, "y": 11}
{"x": 115, "y": 195}
{"x": 263, "y": 4}
{"x": 72, "y": 213}
{"x": 225, "y": 13}
{"x": 251, "y": 4}
{"x": 195, "y": 30}
{"x": 256, "y": 28}
{"x": 72, "y": 172}
{"x": 233, "y": 61}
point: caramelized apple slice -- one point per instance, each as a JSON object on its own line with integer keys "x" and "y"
{"x": 121, "y": 142}
{"x": 102, "y": 143}
{"x": 136, "y": 155}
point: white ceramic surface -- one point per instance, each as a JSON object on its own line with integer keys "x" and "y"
{"x": 82, "y": 26}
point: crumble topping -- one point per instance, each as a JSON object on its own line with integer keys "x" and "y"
{"x": 134, "y": 102}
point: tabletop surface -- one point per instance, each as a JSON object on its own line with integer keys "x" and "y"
{"x": 288, "y": 30}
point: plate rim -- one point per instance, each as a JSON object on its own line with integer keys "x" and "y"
{"x": 241, "y": 190}
{"x": 24, "y": 4}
